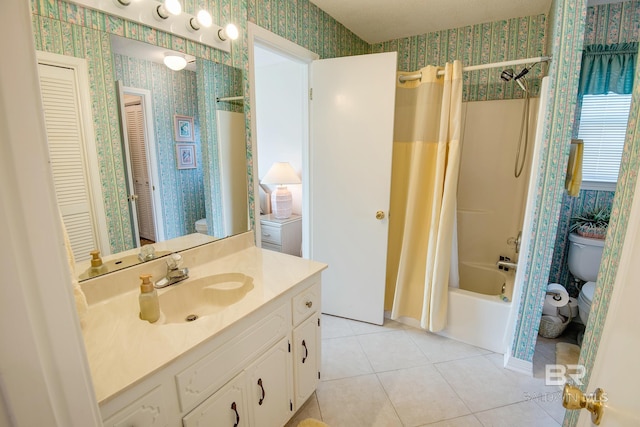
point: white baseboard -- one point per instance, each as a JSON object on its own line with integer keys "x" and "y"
{"x": 518, "y": 365}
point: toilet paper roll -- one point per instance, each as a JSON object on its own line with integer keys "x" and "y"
{"x": 557, "y": 295}
{"x": 571, "y": 309}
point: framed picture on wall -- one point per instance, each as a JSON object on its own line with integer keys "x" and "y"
{"x": 183, "y": 127}
{"x": 186, "y": 155}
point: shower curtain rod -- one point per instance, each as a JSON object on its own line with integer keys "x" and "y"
{"x": 418, "y": 76}
{"x": 230, "y": 98}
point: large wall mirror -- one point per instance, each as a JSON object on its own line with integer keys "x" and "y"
{"x": 176, "y": 161}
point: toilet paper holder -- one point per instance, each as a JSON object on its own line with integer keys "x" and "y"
{"x": 555, "y": 295}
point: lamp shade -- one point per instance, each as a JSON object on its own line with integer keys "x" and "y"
{"x": 281, "y": 173}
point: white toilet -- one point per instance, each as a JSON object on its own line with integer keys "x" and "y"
{"x": 201, "y": 226}
{"x": 585, "y": 255}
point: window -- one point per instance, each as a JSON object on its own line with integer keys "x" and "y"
{"x": 603, "y": 127}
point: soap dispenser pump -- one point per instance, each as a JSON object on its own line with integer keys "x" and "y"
{"x": 149, "y": 304}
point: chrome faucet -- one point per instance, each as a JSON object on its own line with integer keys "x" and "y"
{"x": 174, "y": 274}
{"x": 507, "y": 264}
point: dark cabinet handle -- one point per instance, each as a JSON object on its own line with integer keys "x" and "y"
{"x": 235, "y": 409}
{"x": 263, "y": 394}
{"x": 306, "y": 351}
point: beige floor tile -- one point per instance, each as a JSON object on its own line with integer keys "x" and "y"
{"x": 523, "y": 414}
{"x": 391, "y": 350}
{"x": 310, "y": 409}
{"x": 356, "y": 402}
{"x": 551, "y": 403}
{"x": 421, "y": 395}
{"x": 335, "y": 327}
{"x": 481, "y": 384}
{"x": 442, "y": 349}
{"x": 343, "y": 357}
{"x": 532, "y": 388}
{"x": 466, "y": 421}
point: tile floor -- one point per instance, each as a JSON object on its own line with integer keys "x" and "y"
{"x": 394, "y": 375}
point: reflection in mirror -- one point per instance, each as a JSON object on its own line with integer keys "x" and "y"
{"x": 185, "y": 177}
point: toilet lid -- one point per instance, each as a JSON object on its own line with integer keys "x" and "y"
{"x": 201, "y": 222}
{"x": 588, "y": 289}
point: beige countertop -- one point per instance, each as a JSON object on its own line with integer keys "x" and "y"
{"x": 122, "y": 349}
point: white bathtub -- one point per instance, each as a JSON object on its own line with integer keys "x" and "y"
{"x": 476, "y": 312}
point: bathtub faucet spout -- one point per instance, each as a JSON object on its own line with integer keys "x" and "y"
{"x": 506, "y": 265}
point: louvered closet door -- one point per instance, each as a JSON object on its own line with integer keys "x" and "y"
{"x": 140, "y": 170}
{"x": 66, "y": 148}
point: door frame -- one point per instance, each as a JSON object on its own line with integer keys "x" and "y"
{"x": 152, "y": 158}
{"x": 96, "y": 198}
{"x": 281, "y": 46}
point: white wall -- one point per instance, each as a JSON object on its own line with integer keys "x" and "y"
{"x": 280, "y": 92}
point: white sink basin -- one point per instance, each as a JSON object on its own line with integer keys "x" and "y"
{"x": 186, "y": 301}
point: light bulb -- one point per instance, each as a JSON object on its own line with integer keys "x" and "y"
{"x": 204, "y": 18}
{"x": 173, "y": 6}
{"x": 229, "y": 32}
{"x": 174, "y": 61}
{"x": 232, "y": 31}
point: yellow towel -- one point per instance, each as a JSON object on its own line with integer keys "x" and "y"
{"x": 78, "y": 294}
{"x": 574, "y": 168}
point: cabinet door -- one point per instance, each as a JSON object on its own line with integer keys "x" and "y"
{"x": 306, "y": 358}
{"x": 269, "y": 387}
{"x": 225, "y": 408}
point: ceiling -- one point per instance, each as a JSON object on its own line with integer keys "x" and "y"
{"x": 377, "y": 21}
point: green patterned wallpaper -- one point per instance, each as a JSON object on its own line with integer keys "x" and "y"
{"x": 172, "y": 92}
{"x": 498, "y": 41}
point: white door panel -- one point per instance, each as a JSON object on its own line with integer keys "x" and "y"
{"x": 352, "y": 113}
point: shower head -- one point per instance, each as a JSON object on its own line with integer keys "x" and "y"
{"x": 507, "y": 74}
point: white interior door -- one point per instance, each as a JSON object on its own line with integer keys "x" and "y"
{"x": 132, "y": 197}
{"x": 352, "y": 112}
{"x": 616, "y": 368}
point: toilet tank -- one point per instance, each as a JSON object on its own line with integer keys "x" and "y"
{"x": 585, "y": 255}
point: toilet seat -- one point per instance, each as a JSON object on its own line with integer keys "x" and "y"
{"x": 584, "y": 301}
{"x": 587, "y": 291}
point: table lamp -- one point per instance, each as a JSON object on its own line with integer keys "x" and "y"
{"x": 281, "y": 174}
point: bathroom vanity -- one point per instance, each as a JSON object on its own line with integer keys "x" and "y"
{"x": 252, "y": 358}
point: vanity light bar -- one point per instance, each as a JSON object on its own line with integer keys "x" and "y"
{"x": 144, "y": 12}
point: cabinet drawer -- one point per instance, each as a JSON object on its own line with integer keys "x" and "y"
{"x": 201, "y": 379}
{"x": 147, "y": 411}
{"x": 306, "y": 303}
{"x": 271, "y": 234}
{"x": 271, "y": 247}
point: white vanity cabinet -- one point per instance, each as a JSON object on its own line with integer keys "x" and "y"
{"x": 256, "y": 373}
